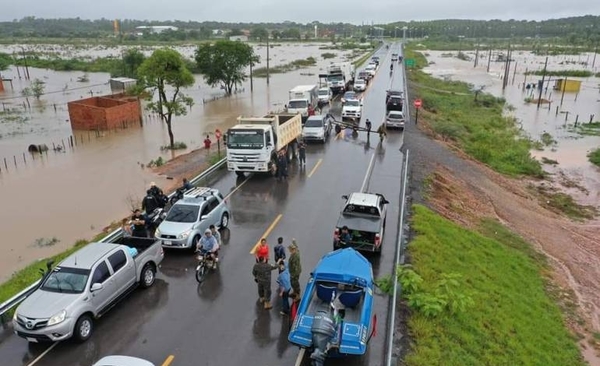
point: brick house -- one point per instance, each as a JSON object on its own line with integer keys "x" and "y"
{"x": 105, "y": 112}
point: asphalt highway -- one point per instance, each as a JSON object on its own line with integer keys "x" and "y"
{"x": 177, "y": 322}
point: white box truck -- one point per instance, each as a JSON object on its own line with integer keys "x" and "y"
{"x": 301, "y": 97}
{"x": 340, "y": 77}
{"x": 253, "y": 144}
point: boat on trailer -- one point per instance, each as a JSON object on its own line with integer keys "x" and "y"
{"x": 335, "y": 315}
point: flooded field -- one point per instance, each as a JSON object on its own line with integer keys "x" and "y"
{"x": 553, "y": 124}
{"x": 73, "y": 194}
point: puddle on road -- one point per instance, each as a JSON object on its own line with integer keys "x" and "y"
{"x": 73, "y": 194}
{"x": 571, "y": 148}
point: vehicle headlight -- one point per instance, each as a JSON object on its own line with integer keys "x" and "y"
{"x": 58, "y": 318}
{"x": 185, "y": 234}
{"x": 157, "y": 232}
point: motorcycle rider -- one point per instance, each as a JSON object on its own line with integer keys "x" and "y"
{"x": 391, "y": 67}
{"x": 149, "y": 203}
{"x": 209, "y": 244}
{"x": 215, "y": 233}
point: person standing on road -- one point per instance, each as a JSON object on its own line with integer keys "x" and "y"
{"x": 368, "y": 124}
{"x": 282, "y": 166}
{"x": 149, "y": 203}
{"x": 262, "y": 251}
{"x": 279, "y": 250}
{"x": 295, "y": 269}
{"x": 262, "y": 276}
{"x": 302, "y": 152}
{"x": 139, "y": 224}
{"x": 285, "y": 286}
{"x": 382, "y": 131}
{"x": 207, "y": 142}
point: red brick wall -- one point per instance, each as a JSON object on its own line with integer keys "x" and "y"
{"x": 103, "y": 113}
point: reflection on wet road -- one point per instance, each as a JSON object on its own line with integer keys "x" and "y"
{"x": 221, "y": 322}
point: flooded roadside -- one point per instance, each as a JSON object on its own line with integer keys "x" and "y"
{"x": 73, "y": 194}
{"x": 560, "y": 139}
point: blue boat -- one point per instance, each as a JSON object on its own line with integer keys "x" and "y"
{"x": 335, "y": 315}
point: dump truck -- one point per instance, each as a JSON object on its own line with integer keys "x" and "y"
{"x": 253, "y": 144}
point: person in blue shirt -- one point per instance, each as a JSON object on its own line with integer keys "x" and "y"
{"x": 186, "y": 185}
{"x": 345, "y": 237}
{"x": 209, "y": 244}
{"x": 279, "y": 250}
{"x": 285, "y": 286}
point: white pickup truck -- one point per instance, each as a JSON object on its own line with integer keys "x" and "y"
{"x": 253, "y": 144}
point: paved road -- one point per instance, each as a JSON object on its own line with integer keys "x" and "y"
{"x": 221, "y": 322}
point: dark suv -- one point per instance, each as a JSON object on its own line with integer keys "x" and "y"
{"x": 394, "y": 103}
{"x": 393, "y": 92}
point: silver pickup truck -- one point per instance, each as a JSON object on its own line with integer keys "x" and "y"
{"x": 84, "y": 286}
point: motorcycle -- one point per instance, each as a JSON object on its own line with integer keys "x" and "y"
{"x": 154, "y": 219}
{"x": 176, "y": 196}
{"x": 205, "y": 263}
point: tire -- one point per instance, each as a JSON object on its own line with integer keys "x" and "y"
{"x": 201, "y": 273}
{"x": 84, "y": 327}
{"x": 224, "y": 221}
{"x": 240, "y": 174}
{"x": 148, "y": 276}
{"x": 195, "y": 241}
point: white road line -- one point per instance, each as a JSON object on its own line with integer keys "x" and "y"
{"x": 236, "y": 188}
{"x": 368, "y": 174}
{"x": 300, "y": 357}
{"x": 38, "y": 358}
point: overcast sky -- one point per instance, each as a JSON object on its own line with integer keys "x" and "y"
{"x": 351, "y": 11}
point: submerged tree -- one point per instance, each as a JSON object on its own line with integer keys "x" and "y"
{"x": 37, "y": 88}
{"x": 166, "y": 69}
{"x": 223, "y": 62}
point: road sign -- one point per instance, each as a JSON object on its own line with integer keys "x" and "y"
{"x": 418, "y": 103}
{"x": 410, "y": 62}
{"x": 218, "y": 134}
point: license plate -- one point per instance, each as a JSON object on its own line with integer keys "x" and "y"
{"x": 32, "y": 340}
{"x": 167, "y": 242}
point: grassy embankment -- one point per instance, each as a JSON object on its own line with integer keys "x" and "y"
{"x": 565, "y": 73}
{"x": 594, "y": 157}
{"x": 558, "y": 46}
{"x": 261, "y": 72}
{"x": 478, "y": 298}
{"x": 477, "y": 126}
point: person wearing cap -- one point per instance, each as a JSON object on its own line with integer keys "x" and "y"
{"x": 295, "y": 268}
{"x": 262, "y": 276}
{"x": 208, "y": 243}
{"x": 161, "y": 199}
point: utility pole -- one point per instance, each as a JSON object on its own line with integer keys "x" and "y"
{"x": 267, "y": 59}
{"x": 26, "y": 67}
{"x": 489, "y": 59}
{"x": 476, "y": 55}
{"x": 514, "y": 73}
{"x": 251, "y": 81}
{"x": 595, "y": 51}
{"x": 506, "y": 68}
{"x": 542, "y": 86}
{"x": 564, "y": 86}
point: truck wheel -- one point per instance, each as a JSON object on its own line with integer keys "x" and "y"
{"x": 148, "y": 275}
{"x": 83, "y": 328}
{"x": 240, "y": 174}
{"x": 224, "y": 220}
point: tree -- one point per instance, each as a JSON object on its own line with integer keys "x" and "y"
{"x": 259, "y": 33}
{"x": 166, "y": 68}
{"x": 235, "y": 32}
{"x": 224, "y": 62}
{"x": 26, "y": 92}
{"x": 37, "y": 88}
{"x": 5, "y": 61}
{"x": 132, "y": 60}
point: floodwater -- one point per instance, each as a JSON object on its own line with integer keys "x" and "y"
{"x": 74, "y": 194}
{"x": 570, "y": 148}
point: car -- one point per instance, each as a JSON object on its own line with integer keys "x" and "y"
{"x": 84, "y": 286}
{"x": 360, "y": 85}
{"x": 393, "y": 92}
{"x": 189, "y": 218}
{"x": 394, "y": 57}
{"x": 375, "y": 60}
{"x": 352, "y": 109}
{"x": 395, "y": 119}
{"x": 348, "y": 95}
{"x": 371, "y": 69}
{"x": 317, "y": 128}
{"x": 122, "y": 361}
{"x": 324, "y": 96}
{"x": 364, "y": 75}
{"x": 395, "y": 103}
{"x": 364, "y": 215}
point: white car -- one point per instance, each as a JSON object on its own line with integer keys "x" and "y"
{"x": 395, "y": 119}
{"x": 122, "y": 361}
{"x": 371, "y": 69}
{"x": 317, "y": 128}
{"x": 325, "y": 95}
{"x": 360, "y": 85}
{"x": 352, "y": 109}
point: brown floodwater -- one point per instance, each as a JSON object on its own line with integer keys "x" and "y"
{"x": 74, "y": 194}
{"x": 571, "y": 147}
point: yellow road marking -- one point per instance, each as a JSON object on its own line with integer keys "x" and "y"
{"x": 236, "y": 188}
{"x": 266, "y": 233}
{"x": 315, "y": 167}
{"x": 168, "y": 360}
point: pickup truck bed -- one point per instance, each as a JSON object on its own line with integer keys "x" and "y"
{"x": 359, "y": 223}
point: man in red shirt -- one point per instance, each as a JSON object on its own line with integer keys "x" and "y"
{"x": 207, "y": 142}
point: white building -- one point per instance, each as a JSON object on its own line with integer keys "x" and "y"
{"x": 155, "y": 28}
{"x": 239, "y": 38}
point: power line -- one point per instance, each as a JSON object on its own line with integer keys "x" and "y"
{"x": 56, "y": 91}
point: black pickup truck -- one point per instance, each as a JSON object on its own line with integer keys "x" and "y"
{"x": 363, "y": 215}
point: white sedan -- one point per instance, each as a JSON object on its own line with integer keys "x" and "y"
{"x": 122, "y": 361}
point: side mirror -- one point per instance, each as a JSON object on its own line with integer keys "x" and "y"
{"x": 269, "y": 144}
{"x": 203, "y": 217}
{"x": 345, "y": 197}
{"x": 285, "y": 106}
{"x": 96, "y": 287}
{"x": 49, "y": 264}
{"x": 385, "y": 202}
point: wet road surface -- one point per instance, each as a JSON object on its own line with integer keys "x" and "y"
{"x": 221, "y": 321}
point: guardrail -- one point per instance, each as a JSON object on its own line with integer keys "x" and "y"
{"x": 400, "y": 243}
{"x": 18, "y": 298}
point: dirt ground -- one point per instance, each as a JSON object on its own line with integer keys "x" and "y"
{"x": 465, "y": 191}
{"x": 185, "y": 166}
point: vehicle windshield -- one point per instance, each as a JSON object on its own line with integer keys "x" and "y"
{"x": 183, "y": 213}
{"x": 297, "y": 104}
{"x": 395, "y": 100}
{"x": 335, "y": 78}
{"x": 245, "y": 139}
{"x": 66, "y": 280}
{"x": 352, "y": 103}
{"x": 396, "y": 115}
{"x": 313, "y": 122}
{"x": 360, "y": 82}
{"x": 349, "y": 95}
{"x": 362, "y": 210}
{"x": 323, "y": 92}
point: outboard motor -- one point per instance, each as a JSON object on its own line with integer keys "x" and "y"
{"x": 323, "y": 330}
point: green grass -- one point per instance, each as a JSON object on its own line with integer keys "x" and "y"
{"x": 567, "y": 73}
{"x": 281, "y": 69}
{"x": 358, "y": 62}
{"x": 328, "y": 55}
{"x": 594, "y": 157}
{"x": 476, "y": 125}
{"x": 102, "y": 64}
{"x": 512, "y": 320}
